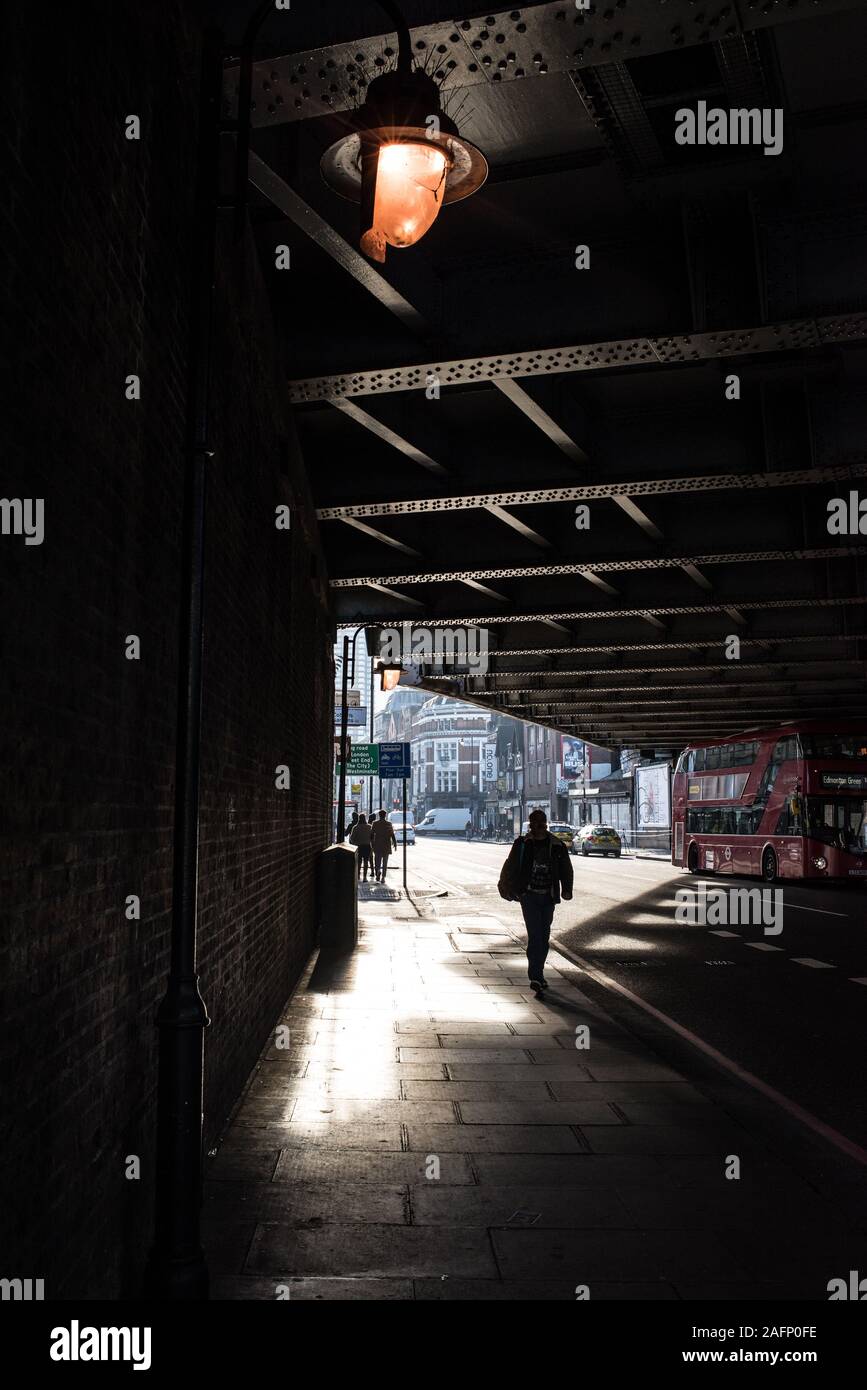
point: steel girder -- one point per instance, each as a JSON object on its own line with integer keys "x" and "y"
{"x": 592, "y": 566}
{"x": 668, "y": 350}
{"x": 521, "y": 44}
{"x": 596, "y": 614}
{"x": 594, "y": 492}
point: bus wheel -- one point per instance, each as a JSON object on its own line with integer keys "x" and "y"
{"x": 692, "y": 859}
{"x": 769, "y": 866}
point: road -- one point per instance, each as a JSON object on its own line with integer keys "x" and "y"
{"x": 787, "y": 1008}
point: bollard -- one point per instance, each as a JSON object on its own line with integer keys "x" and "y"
{"x": 337, "y": 899}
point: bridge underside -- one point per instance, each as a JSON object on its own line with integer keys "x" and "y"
{"x": 622, "y": 472}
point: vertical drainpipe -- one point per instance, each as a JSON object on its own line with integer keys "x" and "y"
{"x": 176, "y": 1267}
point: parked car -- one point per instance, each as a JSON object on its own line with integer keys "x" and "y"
{"x": 599, "y": 839}
{"x": 560, "y": 830}
{"x": 403, "y": 830}
{"x": 444, "y": 820}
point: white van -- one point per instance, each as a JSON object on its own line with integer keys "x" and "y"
{"x": 444, "y": 820}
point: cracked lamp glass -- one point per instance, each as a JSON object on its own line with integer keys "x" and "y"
{"x": 410, "y": 183}
{"x": 389, "y": 675}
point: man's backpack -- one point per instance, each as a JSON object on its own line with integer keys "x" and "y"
{"x": 510, "y": 874}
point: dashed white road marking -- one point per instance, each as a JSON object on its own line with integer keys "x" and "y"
{"x": 734, "y": 934}
{"x": 813, "y": 964}
{"x": 858, "y": 979}
{"x": 762, "y": 946}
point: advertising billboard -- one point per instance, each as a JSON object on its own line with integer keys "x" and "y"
{"x": 573, "y": 756}
{"x": 652, "y": 797}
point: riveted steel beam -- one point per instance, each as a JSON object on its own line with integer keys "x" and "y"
{"x": 521, "y": 44}
{"x": 672, "y": 350}
{"x": 702, "y": 643}
{"x": 526, "y": 681}
{"x": 655, "y": 562}
{"x": 668, "y": 611}
{"x": 595, "y": 492}
{"x": 577, "y": 694}
{"x": 699, "y": 704}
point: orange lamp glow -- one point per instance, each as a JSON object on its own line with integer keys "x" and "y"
{"x": 410, "y": 183}
{"x": 389, "y": 676}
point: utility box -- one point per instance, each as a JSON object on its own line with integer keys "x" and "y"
{"x": 337, "y": 899}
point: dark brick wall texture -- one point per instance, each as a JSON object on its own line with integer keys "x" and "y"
{"x": 97, "y": 252}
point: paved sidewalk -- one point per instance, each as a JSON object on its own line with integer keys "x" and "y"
{"x": 432, "y": 1132}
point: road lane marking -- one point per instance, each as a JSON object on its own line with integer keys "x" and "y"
{"x": 858, "y": 979}
{"x": 798, "y": 1112}
{"x": 736, "y": 935}
{"x": 762, "y": 946}
{"x": 813, "y": 964}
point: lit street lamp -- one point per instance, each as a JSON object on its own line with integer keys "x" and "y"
{"x": 405, "y": 159}
{"x": 390, "y": 673}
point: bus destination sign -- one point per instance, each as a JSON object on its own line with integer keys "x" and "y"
{"x": 845, "y": 781}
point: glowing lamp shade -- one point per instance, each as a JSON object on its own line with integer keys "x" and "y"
{"x": 389, "y": 677}
{"x": 410, "y": 183}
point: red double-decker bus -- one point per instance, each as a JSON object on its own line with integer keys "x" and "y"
{"x": 789, "y": 802}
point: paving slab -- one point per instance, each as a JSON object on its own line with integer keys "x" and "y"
{"x": 486, "y": 1139}
{"x": 300, "y": 1204}
{"x": 711, "y": 1138}
{"x": 485, "y": 1069}
{"x": 562, "y": 1170}
{"x": 384, "y": 1169}
{"x": 535, "y": 1291}
{"x": 527, "y": 1090}
{"x": 433, "y": 1133}
{"x": 312, "y": 1290}
{"x": 319, "y": 1109}
{"x": 353, "y": 1135}
{"x": 380, "y": 1251}
{"x": 552, "y": 1112}
{"x": 619, "y": 1256}
{"x": 554, "y": 1208}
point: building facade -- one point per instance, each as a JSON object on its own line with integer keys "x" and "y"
{"x": 448, "y": 757}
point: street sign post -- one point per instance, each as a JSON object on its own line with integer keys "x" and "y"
{"x": 390, "y": 761}
{"x": 363, "y": 760}
{"x": 394, "y": 762}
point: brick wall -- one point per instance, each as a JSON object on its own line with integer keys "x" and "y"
{"x": 97, "y": 234}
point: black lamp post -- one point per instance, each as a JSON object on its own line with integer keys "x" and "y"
{"x": 348, "y": 675}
